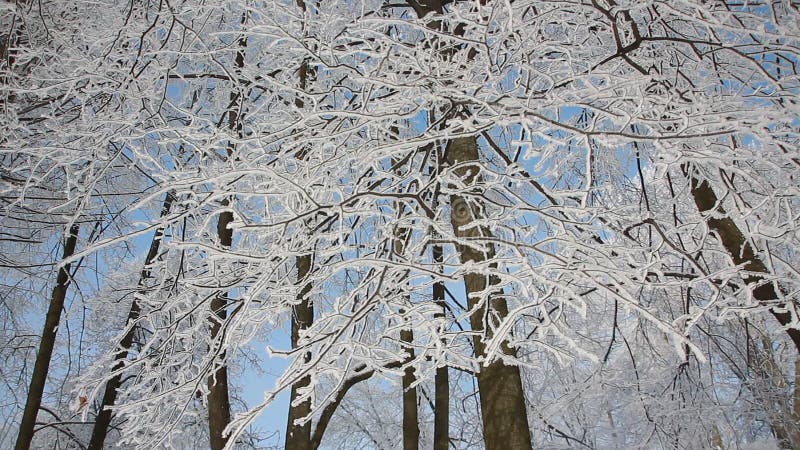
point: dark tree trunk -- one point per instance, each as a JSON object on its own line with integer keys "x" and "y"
{"x": 103, "y": 419}
{"x": 441, "y": 416}
{"x": 298, "y": 437}
{"x": 219, "y": 405}
{"x": 45, "y": 352}
{"x": 505, "y": 422}
{"x": 410, "y": 413}
{"x": 503, "y": 412}
{"x": 441, "y": 413}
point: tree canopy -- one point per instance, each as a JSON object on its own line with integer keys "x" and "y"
{"x": 594, "y": 202}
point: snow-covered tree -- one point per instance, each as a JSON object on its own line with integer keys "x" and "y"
{"x": 589, "y": 207}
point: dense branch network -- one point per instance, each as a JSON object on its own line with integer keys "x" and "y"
{"x": 634, "y": 184}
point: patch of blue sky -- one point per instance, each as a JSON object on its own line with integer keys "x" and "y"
{"x": 254, "y": 382}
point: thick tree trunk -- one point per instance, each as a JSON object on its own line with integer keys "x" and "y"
{"x": 742, "y": 253}
{"x": 505, "y": 423}
{"x": 503, "y": 413}
{"x": 103, "y": 419}
{"x": 298, "y": 437}
{"x": 45, "y": 352}
{"x": 441, "y": 414}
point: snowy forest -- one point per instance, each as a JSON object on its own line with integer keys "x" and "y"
{"x": 400, "y": 224}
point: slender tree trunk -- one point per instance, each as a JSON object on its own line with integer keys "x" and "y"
{"x": 45, "y": 352}
{"x": 219, "y": 405}
{"x": 410, "y": 413}
{"x": 298, "y": 437}
{"x": 103, "y": 419}
{"x": 742, "y": 253}
{"x": 441, "y": 413}
{"x": 441, "y": 380}
{"x": 505, "y": 422}
{"x": 401, "y": 236}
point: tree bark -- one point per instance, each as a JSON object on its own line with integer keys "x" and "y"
{"x": 219, "y": 406}
{"x": 45, "y": 352}
{"x": 410, "y": 413}
{"x": 441, "y": 413}
{"x": 298, "y": 437}
{"x": 503, "y": 413}
{"x": 103, "y": 419}
{"x": 505, "y": 423}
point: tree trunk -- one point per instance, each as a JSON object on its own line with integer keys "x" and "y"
{"x": 45, "y": 352}
{"x": 441, "y": 413}
{"x": 742, "y": 253}
{"x": 219, "y": 406}
{"x": 298, "y": 437}
{"x": 410, "y": 413}
{"x": 505, "y": 423}
{"x": 103, "y": 419}
{"x": 503, "y": 413}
